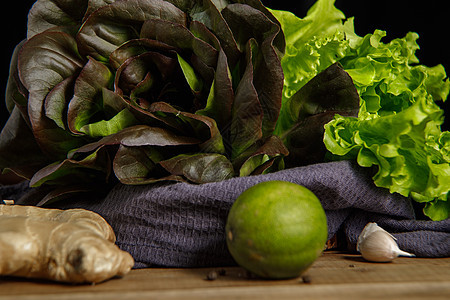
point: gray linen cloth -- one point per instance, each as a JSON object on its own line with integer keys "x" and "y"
{"x": 182, "y": 225}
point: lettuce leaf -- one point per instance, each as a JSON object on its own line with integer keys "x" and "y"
{"x": 312, "y": 45}
{"x": 386, "y": 76}
{"x": 308, "y": 40}
{"x": 330, "y": 92}
{"x": 411, "y": 152}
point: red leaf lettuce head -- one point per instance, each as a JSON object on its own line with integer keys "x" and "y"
{"x": 144, "y": 90}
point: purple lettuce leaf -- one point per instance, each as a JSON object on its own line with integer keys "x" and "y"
{"x": 328, "y": 93}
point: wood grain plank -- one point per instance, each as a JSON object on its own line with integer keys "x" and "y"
{"x": 339, "y": 274}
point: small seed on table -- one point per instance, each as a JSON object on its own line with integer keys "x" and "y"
{"x": 212, "y": 275}
{"x": 222, "y": 272}
{"x": 306, "y": 279}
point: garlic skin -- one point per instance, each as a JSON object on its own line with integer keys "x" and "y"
{"x": 377, "y": 245}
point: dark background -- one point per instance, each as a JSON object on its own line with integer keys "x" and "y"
{"x": 429, "y": 19}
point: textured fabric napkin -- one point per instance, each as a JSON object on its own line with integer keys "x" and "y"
{"x": 182, "y": 225}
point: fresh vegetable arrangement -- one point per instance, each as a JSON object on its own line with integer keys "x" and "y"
{"x": 201, "y": 91}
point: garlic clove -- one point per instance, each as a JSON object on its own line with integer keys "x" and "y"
{"x": 371, "y": 228}
{"x": 377, "y": 245}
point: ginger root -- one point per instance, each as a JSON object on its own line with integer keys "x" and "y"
{"x": 73, "y": 245}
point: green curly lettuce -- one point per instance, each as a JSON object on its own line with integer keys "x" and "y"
{"x": 411, "y": 152}
{"x": 312, "y": 45}
{"x": 387, "y": 76}
{"x": 397, "y": 126}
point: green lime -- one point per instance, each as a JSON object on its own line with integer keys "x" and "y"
{"x": 276, "y": 229}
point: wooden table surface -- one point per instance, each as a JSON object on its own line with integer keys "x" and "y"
{"x": 335, "y": 275}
